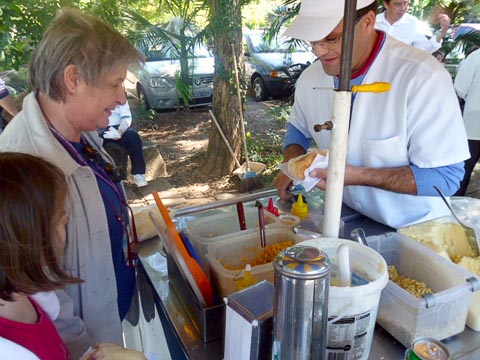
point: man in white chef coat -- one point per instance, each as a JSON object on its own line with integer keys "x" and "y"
{"x": 401, "y": 142}
{"x": 397, "y": 22}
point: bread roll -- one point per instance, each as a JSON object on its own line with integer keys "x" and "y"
{"x": 298, "y": 165}
{"x": 143, "y": 223}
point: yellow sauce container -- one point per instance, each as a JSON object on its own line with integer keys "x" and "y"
{"x": 300, "y": 208}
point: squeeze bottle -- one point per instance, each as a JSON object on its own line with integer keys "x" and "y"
{"x": 300, "y": 208}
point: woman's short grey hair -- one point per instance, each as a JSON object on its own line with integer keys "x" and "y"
{"x": 94, "y": 46}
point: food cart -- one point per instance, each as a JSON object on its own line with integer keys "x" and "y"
{"x": 192, "y": 337}
{"x": 190, "y": 342}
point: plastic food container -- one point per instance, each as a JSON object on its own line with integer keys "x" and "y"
{"x": 439, "y": 315}
{"x": 211, "y": 229}
{"x": 352, "y": 310}
{"x": 446, "y": 238}
{"x": 238, "y": 250}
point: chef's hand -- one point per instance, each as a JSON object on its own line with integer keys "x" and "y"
{"x": 283, "y": 184}
{"x": 322, "y": 174}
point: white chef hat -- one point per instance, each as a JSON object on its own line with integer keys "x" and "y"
{"x": 317, "y": 18}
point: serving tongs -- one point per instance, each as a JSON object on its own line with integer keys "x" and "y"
{"x": 261, "y": 225}
{"x": 358, "y": 235}
{"x": 469, "y": 232}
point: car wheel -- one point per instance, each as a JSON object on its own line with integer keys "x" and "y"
{"x": 142, "y": 97}
{"x": 260, "y": 92}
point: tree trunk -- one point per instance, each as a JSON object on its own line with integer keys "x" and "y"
{"x": 226, "y": 21}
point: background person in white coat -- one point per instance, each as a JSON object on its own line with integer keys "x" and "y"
{"x": 397, "y": 22}
{"x": 467, "y": 85}
{"x": 401, "y": 142}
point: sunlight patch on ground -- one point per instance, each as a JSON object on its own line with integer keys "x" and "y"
{"x": 192, "y": 144}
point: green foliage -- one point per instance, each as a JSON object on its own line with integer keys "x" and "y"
{"x": 22, "y": 22}
{"x": 457, "y": 10}
{"x": 179, "y": 36}
{"x": 281, "y": 113}
{"x": 183, "y": 90}
{"x": 282, "y": 16}
{"x": 21, "y": 27}
{"x": 108, "y": 10}
{"x": 143, "y": 118}
{"x": 255, "y": 14}
{"x": 466, "y": 43}
{"x": 266, "y": 150}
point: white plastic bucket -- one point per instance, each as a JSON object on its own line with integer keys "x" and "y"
{"x": 352, "y": 310}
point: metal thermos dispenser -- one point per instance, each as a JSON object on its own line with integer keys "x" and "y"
{"x": 300, "y": 308}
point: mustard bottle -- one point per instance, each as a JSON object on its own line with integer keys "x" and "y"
{"x": 300, "y": 208}
{"x": 247, "y": 280}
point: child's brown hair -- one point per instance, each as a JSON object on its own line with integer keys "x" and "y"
{"x": 33, "y": 195}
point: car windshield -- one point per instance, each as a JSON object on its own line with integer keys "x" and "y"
{"x": 277, "y": 45}
{"x": 159, "y": 53}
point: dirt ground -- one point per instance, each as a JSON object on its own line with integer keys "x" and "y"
{"x": 182, "y": 139}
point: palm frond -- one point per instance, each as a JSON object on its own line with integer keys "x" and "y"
{"x": 469, "y": 40}
{"x": 464, "y": 43}
{"x": 282, "y": 16}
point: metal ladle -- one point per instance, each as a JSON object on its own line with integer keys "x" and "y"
{"x": 469, "y": 232}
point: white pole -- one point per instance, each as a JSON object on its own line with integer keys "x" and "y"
{"x": 336, "y": 164}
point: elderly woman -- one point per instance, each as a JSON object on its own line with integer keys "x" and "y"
{"x": 76, "y": 77}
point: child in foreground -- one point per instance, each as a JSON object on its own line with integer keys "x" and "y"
{"x": 33, "y": 218}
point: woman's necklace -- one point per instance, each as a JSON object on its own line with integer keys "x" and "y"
{"x": 108, "y": 174}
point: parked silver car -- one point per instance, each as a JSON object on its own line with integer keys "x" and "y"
{"x": 155, "y": 82}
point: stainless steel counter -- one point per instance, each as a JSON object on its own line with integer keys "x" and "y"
{"x": 191, "y": 346}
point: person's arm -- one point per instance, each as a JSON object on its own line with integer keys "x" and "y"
{"x": 293, "y": 136}
{"x": 71, "y": 328}
{"x": 125, "y": 118}
{"x": 398, "y": 179}
{"x": 410, "y": 180}
{"x": 444, "y": 22}
{"x": 435, "y": 42}
{"x": 446, "y": 178}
